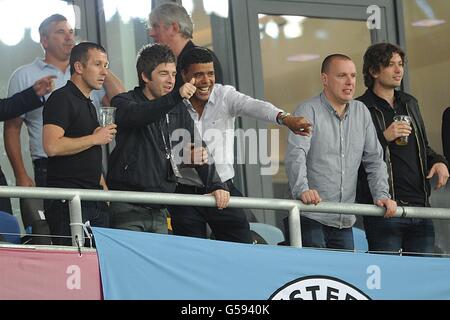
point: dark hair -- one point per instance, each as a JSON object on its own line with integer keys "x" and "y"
{"x": 79, "y": 53}
{"x": 327, "y": 61}
{"x": 376, "y": 56}
{"x": 44, "y": 27}
{"x": 149, "y": 57}
{"x": 194, "y": 56}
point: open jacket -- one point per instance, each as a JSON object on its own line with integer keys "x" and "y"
{"x": 427, "y": 156}
{"x": 139, "y": 162}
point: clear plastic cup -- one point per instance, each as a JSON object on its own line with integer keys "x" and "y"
{"x": 106, "y": 116}
{"x": 402, "y": 141}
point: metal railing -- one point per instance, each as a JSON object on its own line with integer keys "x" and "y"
{"x": 75, "y": 196}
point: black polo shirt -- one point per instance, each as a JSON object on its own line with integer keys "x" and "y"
{"x": 69, "y": 109}
{"x": 407, "y": 175}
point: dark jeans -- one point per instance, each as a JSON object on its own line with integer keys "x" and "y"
{"x": 130, "y": 216}
{"x": 58, "y": 218}
{"x": 5, "y": 203}
{"x": 229, "y": 224}
{"x": 394, "y": 235}
{"x": 317, "y": 235}
{"x": 40, "y": 172}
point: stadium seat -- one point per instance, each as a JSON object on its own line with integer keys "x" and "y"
{"x": 32, "y": 211}
{"x": 272, "y": 235}
{"x": 9, "y": 228}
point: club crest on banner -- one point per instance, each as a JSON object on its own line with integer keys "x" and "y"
{"x": 318, "y": 288}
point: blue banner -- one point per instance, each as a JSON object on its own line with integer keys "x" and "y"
{"x": 135, "y": 265}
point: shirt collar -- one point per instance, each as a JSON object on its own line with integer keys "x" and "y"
{"x": 189, "y": 45}
{"x": 212, "y": 99}
{"x": 327, "y": 104}
{"x": 42, "y": 64}
{"x": 139, "y": 91}
{"x": 76, "y": 91}
{"x": 383, "y": 103}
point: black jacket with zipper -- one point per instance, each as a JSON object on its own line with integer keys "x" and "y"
{"x": 427, "y": 157}
{"x": 138, "y": 161}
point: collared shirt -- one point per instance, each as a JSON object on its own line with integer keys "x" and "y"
{"x": 216, "y": 124}
{"x": 407, "y": 175}
{"x": 24, "y": 77}
{"x": 329, "y": 159}
{"x": 70, "y": 110}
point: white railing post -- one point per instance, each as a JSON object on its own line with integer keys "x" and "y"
{"x": 295, "y": 233}
{"x": 76, "y": 221}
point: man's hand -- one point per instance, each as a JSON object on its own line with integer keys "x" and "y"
{"x": 188, "y": 89}
{"x": 44, "y": 85}
{"x": 442, "y": 171}
{"x": 104, "y": 135}
{"x": 310, "y": 197}
{"x": 25, "y": 181}
{"x": 194, "y": 156}
{"x": 199, "y": 156}
{"x": 298, "y": 125}
{"x": 390, "y": 205}
{"x": 396, "y": 130}
{"x": 222, "y": 198}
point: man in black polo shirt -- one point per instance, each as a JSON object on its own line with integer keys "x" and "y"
{"x": 72, "y": 139}
{"x": 409, "y": 166}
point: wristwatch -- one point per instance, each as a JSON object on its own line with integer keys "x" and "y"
{"x": 281, "y": 116}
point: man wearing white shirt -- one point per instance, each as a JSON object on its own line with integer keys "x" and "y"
{"x": 213, "y": 108}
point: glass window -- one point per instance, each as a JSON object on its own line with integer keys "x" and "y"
{"x": 292, "y": 51}
{"x": 126, "y": 33}
{"x": 427, "y": 30}
{"x": 201, "y": 11}
{"x": 19, "y": 45}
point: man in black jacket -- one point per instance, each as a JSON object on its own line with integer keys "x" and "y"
{"x": 144, "y": 158}
{"x": 409, "y": 166}
{"x": 20, "y": 103}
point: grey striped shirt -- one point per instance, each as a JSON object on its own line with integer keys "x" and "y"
{"x": 329, "y": 159}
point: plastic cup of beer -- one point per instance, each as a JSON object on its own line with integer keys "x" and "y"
{"x": 402, "y": 141}
{"x": 106, "y": 116}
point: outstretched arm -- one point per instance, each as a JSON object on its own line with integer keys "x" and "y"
{"x": 26, "y": 100}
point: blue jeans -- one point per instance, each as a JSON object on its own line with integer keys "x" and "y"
{"x": 395, "y": 234}
{"x": 317, "y": 235}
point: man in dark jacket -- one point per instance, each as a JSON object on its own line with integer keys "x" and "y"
{"x": 144, "y": 158}
{"x": 409, "y": 166}
{"x": 20, "y": 103}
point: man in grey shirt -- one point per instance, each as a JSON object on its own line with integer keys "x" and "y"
{"x": 325, "y": 165}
